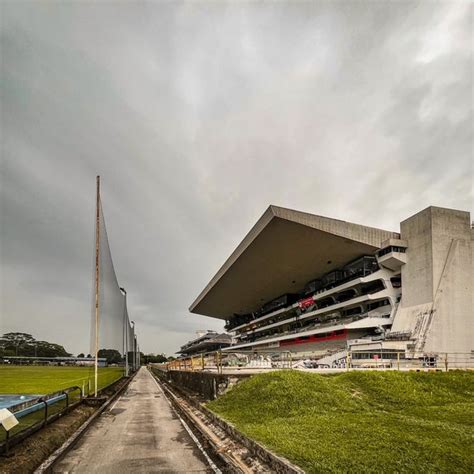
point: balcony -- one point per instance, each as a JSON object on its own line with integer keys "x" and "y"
{"x": 336, "y": 324}
{"x": 392, "y": 255}
{"x": 322, "y": 312}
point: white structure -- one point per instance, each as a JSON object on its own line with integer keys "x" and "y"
{"x": 206, "y": 341}
{"x": 307, "y": 283}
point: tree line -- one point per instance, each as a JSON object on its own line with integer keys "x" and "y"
{"x": 19, "y": 344}
{"x": 25, "y": 345}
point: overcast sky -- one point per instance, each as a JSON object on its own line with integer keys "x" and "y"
{"x": 198, "y": 116}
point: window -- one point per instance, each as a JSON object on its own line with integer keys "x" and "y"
{"x": 396, "y": 281}
{"x": 389, "y": 249}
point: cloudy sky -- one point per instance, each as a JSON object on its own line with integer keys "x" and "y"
{"x": 198, "y": 116}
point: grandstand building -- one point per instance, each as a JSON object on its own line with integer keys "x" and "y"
{"x": 306, "y": 283}
{"x": 207, "y": 341}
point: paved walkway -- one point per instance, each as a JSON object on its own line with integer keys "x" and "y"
{"x": 139, "y": 433}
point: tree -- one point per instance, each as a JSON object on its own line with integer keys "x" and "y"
{"x": 113, "y": 356}
{"x": 23, "y": 344}
{"x": 80, "y": 355}
{"x": 153, "y": 359}
{"x": 17, "y": 338}
{"x": 14, "y": 343}
{"x": 49, "y": 349}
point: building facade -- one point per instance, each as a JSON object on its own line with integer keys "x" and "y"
{"x": 310, "y": 284}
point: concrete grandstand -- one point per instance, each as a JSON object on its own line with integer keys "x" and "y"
{"x": 305, "y": 283}
{"x": 206, "y": 341}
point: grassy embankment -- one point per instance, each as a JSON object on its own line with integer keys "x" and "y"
{"x": 359, "y": 421}
{"x": 43, "y": 379}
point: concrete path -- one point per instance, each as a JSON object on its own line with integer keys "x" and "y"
{"x": 139, "y": 433}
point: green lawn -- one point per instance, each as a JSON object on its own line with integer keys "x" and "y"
{"x": 43, "y": 380}
{"x": 359, "y": 421}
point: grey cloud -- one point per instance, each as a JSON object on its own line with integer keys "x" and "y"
{"x": 198, "y": 116}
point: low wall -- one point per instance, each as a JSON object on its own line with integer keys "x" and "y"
{"x": 205, "y": 384}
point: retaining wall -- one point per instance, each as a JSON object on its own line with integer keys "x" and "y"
{"x": 208, "y": 385}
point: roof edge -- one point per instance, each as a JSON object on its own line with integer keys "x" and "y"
{"x": 253, "y": 233}
{"x": 326, "y": 224}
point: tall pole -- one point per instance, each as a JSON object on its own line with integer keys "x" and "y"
{"x": 132, "y": 349}
{"x": 97, "y": 275}
{"x": 135, "y": 353}
{"x": 126, "y": 328}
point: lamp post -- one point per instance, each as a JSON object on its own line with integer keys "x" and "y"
{"x": 138, "y": 356}
{"x": 125, "y": 329}
{"x": 134, "y": 342}
{"x": 136, "y": 353}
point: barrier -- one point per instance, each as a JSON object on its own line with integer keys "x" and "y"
{"x": 228, "y": 362}
{"x": 36, "y": 413}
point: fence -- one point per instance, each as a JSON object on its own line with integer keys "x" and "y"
{"x": 36, "y": 413}
{"x": 401, "y": 361}
{"x": 343, "y": 360}
{"x": 218, "y": 361}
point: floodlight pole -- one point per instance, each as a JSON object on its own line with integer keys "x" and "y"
{"x": 125, "y": 330}
{"x": 135, "y": 354}
{"x": 97, "y": 275}
{"x": 133, "y": 342}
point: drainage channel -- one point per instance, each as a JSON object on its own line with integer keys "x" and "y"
{"x": 227, "y": 453}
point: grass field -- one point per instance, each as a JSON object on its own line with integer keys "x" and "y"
{"x": 42, "y": 380}
{"x": 359, "y": 421}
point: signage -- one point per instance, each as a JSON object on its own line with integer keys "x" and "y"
{"x": 7, "y": 419}
{"x": 306, "y": 303}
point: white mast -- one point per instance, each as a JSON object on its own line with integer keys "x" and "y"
{"x": 97, "y": 270}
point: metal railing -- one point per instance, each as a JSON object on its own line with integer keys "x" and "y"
{"x": 348, "y": 360}
{"x": 397, "y": 360}
{"x": 219, "y": 361}
{"x": 36, "y": 413}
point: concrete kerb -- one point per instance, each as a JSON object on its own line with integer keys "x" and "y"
{"x": 279, "y": 464}
{"x": 182, "y": 415}
{"x": 56, "y": 456}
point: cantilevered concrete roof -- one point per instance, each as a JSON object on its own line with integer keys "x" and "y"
{"x": 282, "y": 252}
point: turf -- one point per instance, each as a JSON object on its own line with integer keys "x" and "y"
{"x": 42, "y": 380}
{"x": 359, "y": 421}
